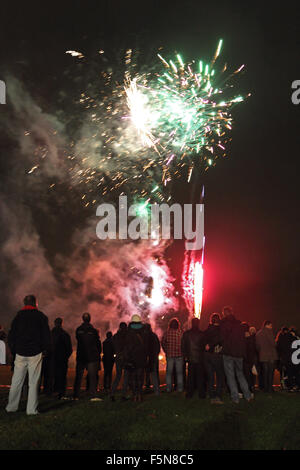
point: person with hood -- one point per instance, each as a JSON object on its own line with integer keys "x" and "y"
{"x": 267, "y": 353}
{"x": 152, "y": 369}
{"x": 213, "y": 359}
{"x": 119, "y": 347}
{"x": 87, "y": 357}
{"x": 108, "y": 360}
{"x": 28, "y": 339}
{"x": 61, "y": 351}
{"x": 171, "y": 344}
{"x": 234, "y": 350}
{"x": 192, "y": 346}
{"x": 136, "y": 355}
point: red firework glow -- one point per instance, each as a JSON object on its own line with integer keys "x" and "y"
{"x": 198, "y": 288}
{"x": 192, "y": 282}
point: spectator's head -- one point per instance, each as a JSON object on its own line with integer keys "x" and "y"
{"x": 252, "y": 330}
{"x": 58, "y": 322}
{"x": 227, "y": 311}
{"x": 284, "y": 330}
{"x": 86, "y": 317}
{"x": 108, "y": 334}
{"x": 174, "y": 324}
{"x": 214, "y": 319}
{"x": 293, "y": 330}
{"x": 268, "y": 324}
{"x": 195, "y": 324}
{"x": 30, "y": 300}
{"x": 136, "y": 318}
{"x": 123, "y": 325}
{"x": 245, "y": 326}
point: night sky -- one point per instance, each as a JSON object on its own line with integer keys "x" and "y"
{"x": 252, "y": 259}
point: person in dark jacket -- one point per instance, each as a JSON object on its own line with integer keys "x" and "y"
{"x": 192, "y": 346}
{"x": 108, "y": 360}
{"x": 213, "y": 359}
{"x": 61, "y": 351}
{"x": 152, "y": 369}
{"x": 292, "y": 370}
{"x": 267, "y": 353}
{"x": 251, "y": 358}
{"x": 136, "y": 355}
{"x": 28, "y": 339}
{"x": 234, "y": 350}
{"x": 119, "y": 340}
{"x": 87, "y": 357}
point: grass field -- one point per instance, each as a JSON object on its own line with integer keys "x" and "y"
{"x": 167, "y": 422}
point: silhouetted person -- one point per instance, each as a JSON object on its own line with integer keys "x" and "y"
{"x": 192, "y": 346}
{"x": 251, "y": 357}
{"x": 293, "y": 370}
{"x": 152, "y": 369}
{"x": 136, "y": 355}
{"x": 267, "y": 353}
{"x": 171, "y": 344}
{"x": 283, "y": 344}
{"x": 213, "y": 359}
{"x": 234, "y": 350}
{"x": 28, "y": 339}
{"x": 119, "y": 341}
{"x": 61, "y": 351}
{"x": 108, "y": 360}
{"x": 87, "y": 357}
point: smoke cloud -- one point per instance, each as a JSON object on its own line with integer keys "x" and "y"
{"x": 49, "y": 246}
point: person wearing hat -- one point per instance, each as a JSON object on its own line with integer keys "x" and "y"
{"x": 136, "y": 353}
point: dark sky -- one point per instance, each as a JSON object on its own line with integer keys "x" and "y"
{"x": 252, "y": 197}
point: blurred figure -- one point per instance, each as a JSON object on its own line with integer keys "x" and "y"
{"x": 293, "y": 370}
{"x": 28, "y": 339}
{"x": 61, "y": 351}
{"x": 213, "y": 359}
{"x": 171, "y": 344}
{"x": 119, "y": 341}
{"x": 152, "y": 369}
{"x": 192, "y": 346}
{"x": 136, "y": 355}
{"x": 283, "y": 345}
{"x": 234, "y": 350}
{"x": 87, "y": 357}
{"x": 108, "y": 360}
{"x": 267, "y": 354}
{"x": 250, "y": 359}
{"x": 2, "y": 346}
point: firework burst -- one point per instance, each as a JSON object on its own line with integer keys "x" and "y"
{"x": 186, "y": 111}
